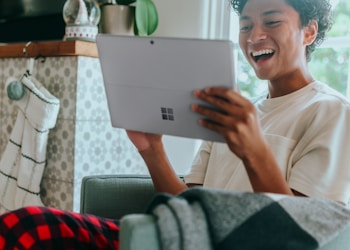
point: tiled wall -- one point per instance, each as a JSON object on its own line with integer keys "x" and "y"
{"x": 83, "y": 141}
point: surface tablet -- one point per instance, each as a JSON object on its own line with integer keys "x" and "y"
{"x": 149, "y": 81}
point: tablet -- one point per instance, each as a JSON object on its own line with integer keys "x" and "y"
{"x": 149, "y": 81}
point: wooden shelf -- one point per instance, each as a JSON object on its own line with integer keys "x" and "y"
{"x": 49, "y": 49}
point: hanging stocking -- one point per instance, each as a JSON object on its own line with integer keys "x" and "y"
{"x": 24, "y": 159}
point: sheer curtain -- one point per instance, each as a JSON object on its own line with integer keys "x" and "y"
{"x": 220, "y": 16}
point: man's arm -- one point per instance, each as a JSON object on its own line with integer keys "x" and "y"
{"x": 152, "y": 151}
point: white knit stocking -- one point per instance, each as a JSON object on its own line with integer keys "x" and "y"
{"x": 23, "y": 162}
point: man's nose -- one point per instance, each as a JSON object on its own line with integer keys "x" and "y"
{"x": 257, "y": 34}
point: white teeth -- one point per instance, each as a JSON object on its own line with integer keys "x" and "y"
{"x": 262, "y": 52}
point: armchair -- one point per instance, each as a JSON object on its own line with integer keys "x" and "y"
{"x": 126, "y": 197}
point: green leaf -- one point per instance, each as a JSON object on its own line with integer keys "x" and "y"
{"x": 146, "y": 17}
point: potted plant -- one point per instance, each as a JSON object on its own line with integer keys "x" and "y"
{"x": 144, "y": 15}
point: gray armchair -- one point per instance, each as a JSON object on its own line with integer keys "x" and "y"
{"x": 126, "y": 197}
{"x": 113, "y": 196}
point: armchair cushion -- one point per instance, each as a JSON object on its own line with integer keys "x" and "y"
{"x": 113, "y": 196}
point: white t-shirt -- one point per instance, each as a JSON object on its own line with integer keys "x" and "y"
{"x": 309, "y": 133}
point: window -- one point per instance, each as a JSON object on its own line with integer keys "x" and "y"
{"x": 330, "y": 62}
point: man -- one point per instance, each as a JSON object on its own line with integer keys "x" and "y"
{"x": 292, "y": 141}
{"x": 295, "y": 140}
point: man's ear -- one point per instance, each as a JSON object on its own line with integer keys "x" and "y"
{"x": 310, "y": 32}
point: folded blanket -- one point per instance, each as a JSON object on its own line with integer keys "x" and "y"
{"x": 202, "y": 218}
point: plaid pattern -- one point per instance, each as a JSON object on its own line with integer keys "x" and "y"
{"x": 37, "y": 228}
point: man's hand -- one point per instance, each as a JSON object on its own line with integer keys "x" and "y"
{"x": 236, "y": 120}
{"x": 143, "y": 141}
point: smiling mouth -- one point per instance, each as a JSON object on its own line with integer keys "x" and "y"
{"x": 262, "y": 54}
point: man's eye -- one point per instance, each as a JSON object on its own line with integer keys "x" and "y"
{"x": 272, "y": 23}
{"x": 245, "y": 28}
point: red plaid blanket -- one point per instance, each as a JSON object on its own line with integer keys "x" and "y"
{"x": 49, "y": 228}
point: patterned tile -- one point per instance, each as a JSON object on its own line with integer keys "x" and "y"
{"x": 6, "y": 125}
{"x": 60, "y": 151}
{"x": 59, "y": 76}
{"x": 101, "y": 149}
{"x": 2, "y": 96}
{"x": 83, "y": 141}
{"x": 57, "y": 193}
{"x": 2, "y": 87}
{"x": 14, "y": 68}
{"x": 91, "y": 97}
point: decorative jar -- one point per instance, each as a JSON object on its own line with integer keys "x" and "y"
{"x": 81, "y": 18}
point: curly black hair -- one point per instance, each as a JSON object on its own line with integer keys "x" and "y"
{"x": 309, "y": 10}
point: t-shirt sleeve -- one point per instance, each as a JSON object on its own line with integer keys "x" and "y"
{"x": 321, "y": 161}
{"x": 197, "y": 172}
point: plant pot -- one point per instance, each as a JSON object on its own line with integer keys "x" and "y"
{"x": 117, "y": 19}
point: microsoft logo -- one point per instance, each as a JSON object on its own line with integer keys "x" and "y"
{"x": 167, "y": 113}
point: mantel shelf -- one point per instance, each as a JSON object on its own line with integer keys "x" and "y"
{"x": 49, "y": 49}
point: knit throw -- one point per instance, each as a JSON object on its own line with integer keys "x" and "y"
{"x": 202, "y": 218}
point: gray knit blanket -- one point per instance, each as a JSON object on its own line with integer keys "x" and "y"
{"x": 201, "y": 218}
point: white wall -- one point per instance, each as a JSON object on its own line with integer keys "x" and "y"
{"x": 183, "y": 18}
{"x": 194, "y": 18}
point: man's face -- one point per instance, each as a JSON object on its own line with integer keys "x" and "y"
{"x": 271, "y": 38}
